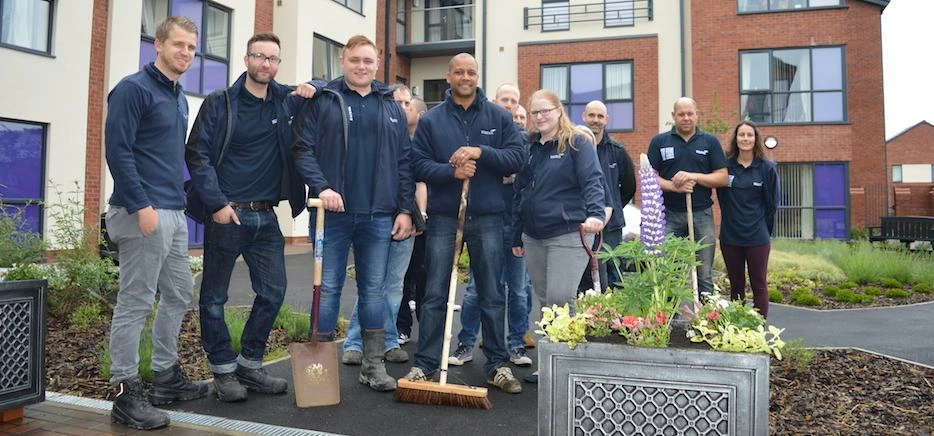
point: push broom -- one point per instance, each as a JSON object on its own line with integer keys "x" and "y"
{"x": 442, "y": 393}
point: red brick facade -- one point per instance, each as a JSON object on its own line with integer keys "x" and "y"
{"x": 913, "y": 146}
{"x": 718, "y": 34}
{"x": 399, "y": 66}
{"x": 94, "y": 143}
{"x": 263, "y": 17}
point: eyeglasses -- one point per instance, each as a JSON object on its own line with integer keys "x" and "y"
{"x": 259, "y": 57}
{"x": 541, "y": 112}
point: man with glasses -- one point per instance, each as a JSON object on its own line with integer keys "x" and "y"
{"x": 239, "y": 158}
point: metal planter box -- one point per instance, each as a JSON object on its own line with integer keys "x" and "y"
{"x": 22, "y": 342}
{"x": 600, "y": 388}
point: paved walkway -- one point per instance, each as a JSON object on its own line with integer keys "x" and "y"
{"x": 902, "y": 332}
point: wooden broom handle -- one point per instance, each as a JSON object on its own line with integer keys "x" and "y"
{"x": 452, "y": 287}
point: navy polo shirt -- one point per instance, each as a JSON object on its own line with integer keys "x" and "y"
{"x": 747, "y": 204}
{"x": 252, "y": 167}
{"x": 363, "y": 114}
{"x": 702, "y": 153}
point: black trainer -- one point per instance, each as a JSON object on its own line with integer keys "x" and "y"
{"x": 172, "y": 385}
{"x": 257, "y": 380}
{"x": 132, "y": 409}
{"x": 228, "y": 387}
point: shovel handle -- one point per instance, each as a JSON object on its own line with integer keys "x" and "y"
{"x": 318, "y": 264}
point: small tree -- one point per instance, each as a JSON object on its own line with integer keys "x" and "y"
{"x": 17, "y": 245}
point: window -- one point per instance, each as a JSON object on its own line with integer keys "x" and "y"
{"x": 26, "y": 24}
{"x": 782, "y": 5}
{"x": 814, "y": 201}
{"x": 803, "y": 85}
{"x": 556, "y": 15}
{"x": 210, "y": 69}
{"x": 354, "y": 5}
{"x": 22, "y": 153}
{"x": 897, "y": 173}
{"x": 434, "y": 92}
{"x": 447, "y": 20}
{"x": 326, "y": 55}
{"x": 401, "y": 18}
{"x": 618, "y": 13}
{"x": 913, "y": 173}
{"x": 579, "y": 84}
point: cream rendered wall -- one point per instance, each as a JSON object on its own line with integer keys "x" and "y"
{"x": 428, "y": 69}
{"x": 54, "y": 90}
{"x": 296, "y": 22}
{"x": 505, "y": 33}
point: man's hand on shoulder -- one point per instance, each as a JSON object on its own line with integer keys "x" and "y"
{"x": 305, "y": 90}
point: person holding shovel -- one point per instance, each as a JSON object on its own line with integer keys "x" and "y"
{"x": 352, "y": 150}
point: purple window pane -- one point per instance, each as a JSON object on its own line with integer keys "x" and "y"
{"x": 147, "y": 53}
{"x": 195, "y": 232}
{"x": 21, "y": 160}
{"x": 830, "y": 224}
{"x": 31, "y": 216}
{"x": 586, "y": 83}
{"x": 215, "y": 76}
{"x": 828, "y": 106}
{"x": 191, "y": 79}
{"x": 576, "y": 114}
{"x": 830, "y": 185}
{"x": 621, "y": 117}
{"x": 193, "y": 9}
{"x": 828, "y": 68}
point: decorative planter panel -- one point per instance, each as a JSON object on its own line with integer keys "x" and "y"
{"x": 614, "y": 389}
{"x": 22, "y": 342}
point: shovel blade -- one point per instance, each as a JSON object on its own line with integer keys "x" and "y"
{"x": 315, "y": 373}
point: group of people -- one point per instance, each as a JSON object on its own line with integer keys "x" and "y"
{"x": 389, "y": 174}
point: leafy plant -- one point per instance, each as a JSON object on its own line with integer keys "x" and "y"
{"x": 775, "y": 296}
{"x": 847, "y": 296}
{"x": 896, "y": 293}
{"x": 797, "y": 355}
{"x": 872, "y": 290}
{"x": 831, "y": 291}
{"x": 921, "y": 288}
{"x": 296, "y": 325}
{"x": 196, "y": 264}
{"x": 849, "y": 284}
{"x": 889, "y": 282}
{"x": 734, "y": 326}
{"x": 558, "y": 325}
{"x": 17, "y": 245}
{"x": 24, "y": 271}
{"x": 85, "y": 315}
{"x": 804, "y": 297}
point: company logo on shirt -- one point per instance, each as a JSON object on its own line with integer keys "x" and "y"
{"x": 730, "y": 182}
{"x": 613, "y": 165}
{"x": 557, "y": 156}
{"x": 757, "y": 184}
{"x": 393, "y": 120}
{"x": 703, "y": 152}
{"x": 490, "y": 132}
{"x": 668, "y": 153}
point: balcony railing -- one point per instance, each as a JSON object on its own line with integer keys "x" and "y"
{"x": 441, "y": 24}
{"x": 559, "y": 15}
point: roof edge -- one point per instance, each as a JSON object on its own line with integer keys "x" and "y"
{"x": 908, "y": 129}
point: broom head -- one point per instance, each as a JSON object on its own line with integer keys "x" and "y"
{"x": 435, "y": 394}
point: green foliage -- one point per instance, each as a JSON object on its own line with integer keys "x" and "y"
{"x": 896, "y": 293}
{"x": 196, "y": 264}
{"x": 734, "y": 326}
{"x": 295, "y": 324}
{"x": 24, "y": 271}
{"x": 922, "y": 288}
{"x": 849, "y": 284}
{"x": 872, "y": 291}
{"x": 866, "y": 299}
{"x": 888, "y": 282}
{"x": 17, "y": 245}
{"x": 847, "y": 296}
{"x": 236, "y": 321}
{"x": 145, "y": 351}
{"x": 804, "y": 297}
{"x": 85, "y": 315}
{"x": 797, "y": 355}
{"x": 775, "y": 296}
{"x": 831, "y": 291}
{"x": 713, "y": 121}
{"x": 558, "y": 325}
{"x": 859, "y": 234}
{"x": 805, "y": 266}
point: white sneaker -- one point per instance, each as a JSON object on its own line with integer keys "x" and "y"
{"x": 461, "y": 356}
{"x": 404, "y": 339}
{"x": 519, "y": 358}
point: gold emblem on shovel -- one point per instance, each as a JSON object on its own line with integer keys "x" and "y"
{"x": 316, "y": 373}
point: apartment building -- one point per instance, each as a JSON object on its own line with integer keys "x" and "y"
{"x": 910, "y": 162}
{"x": 808, "y": 71}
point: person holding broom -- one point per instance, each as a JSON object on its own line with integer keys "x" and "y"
{"x": 466, "y": 137}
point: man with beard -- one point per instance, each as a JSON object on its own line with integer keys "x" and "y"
{"x": 145, "y": 136}
{"x": 240, "y": 164}
{"x": 466, "y": 137}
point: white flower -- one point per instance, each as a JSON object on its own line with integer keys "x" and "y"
{"x": 690, "y": 334}
{"x": 723, "y": 303}
{"x": 590, "y": 292}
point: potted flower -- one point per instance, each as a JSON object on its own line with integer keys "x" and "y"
{"x": 609, "y": 366}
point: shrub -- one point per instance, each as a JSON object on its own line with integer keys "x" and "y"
{"x": 896, "y": 293}
{"x": 889, "y": 282}
{"x": 797, "y": 355}
{"x": 866, "y": 299}
{"x": 921, "y": 288}
{"x": 847, "y": 296}
{"x": 849, "y": 284}
{"x": 16, "y": 244}
{"x": 85, "y": 315}
{"x": 859, "y": 234}
{"x": 804, "y": 297}
{"x": 831, "y": 291}
{"x": 296, "y": 325}
{"x": 775, "y": 296}
{"x": 872, "y": 291}
{"x": 24, "y": 271}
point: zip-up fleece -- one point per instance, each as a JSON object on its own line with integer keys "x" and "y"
{"x": 556, "y": 192}
{"x": 620, "y": 178}
{"x": 212, "y": 133}
{"x": 447, "y": 127}
{"x": 147, "y": 119}
{"x": 320, "y": 148}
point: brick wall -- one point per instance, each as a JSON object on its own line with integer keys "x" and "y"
{"x": 398, "y": 65}
{"x": 913, "y": 146}
{"x": 94, "y": 144}
{"x": 718, "y": 35}
{"x": 263, "y": 19}
{"x": 643, "y": 52}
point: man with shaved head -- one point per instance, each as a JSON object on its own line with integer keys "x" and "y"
{"x": 465, "y": 137}
{"x": 620, "y": 183}
{"x": 689, "y": 160}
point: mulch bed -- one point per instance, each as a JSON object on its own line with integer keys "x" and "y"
{"x": 839, "y": 392}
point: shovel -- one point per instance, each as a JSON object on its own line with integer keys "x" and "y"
{"x": 314, "y": 364}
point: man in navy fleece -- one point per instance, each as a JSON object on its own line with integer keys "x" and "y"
{"x": 147, "y": 119}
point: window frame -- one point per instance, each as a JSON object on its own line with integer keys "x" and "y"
{"x": 631, "y": 10}
{"x": 200, "y": 54}
{"x": 567, "y": 90}
{"x": 811, "y": 92}
{"x": 39, "y": 202}
{"x": 769, "y": 9}
{"x": 345, "y": 3}
{"x": 897, "y": 176}
{"x": 402, "y": 19}
{"x": 784, "y": 206}
{"x": 558, "y": 25}
{"x": 328, "y": 44}
{"x": 48, "y": 36}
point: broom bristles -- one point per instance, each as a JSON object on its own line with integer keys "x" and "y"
{"x": 435, "y": 394}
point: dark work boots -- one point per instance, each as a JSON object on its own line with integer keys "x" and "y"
{"x": 373, "y": 372}
{"x": 172, "y": 385}
{"x": 132, "y": 409}
{"x": 257, "y": 380}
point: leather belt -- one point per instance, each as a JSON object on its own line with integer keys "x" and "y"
{"x": 251, "y": 205}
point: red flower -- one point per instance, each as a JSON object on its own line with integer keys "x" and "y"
{"x": 630, "y": 321}
{"x": 661, "y": 318}
{"x": 713, "y": 315}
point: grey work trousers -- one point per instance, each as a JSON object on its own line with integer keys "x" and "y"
{"x": 554, "y": 267}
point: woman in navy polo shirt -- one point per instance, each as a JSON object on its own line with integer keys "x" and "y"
{"x": 747, "y": 211}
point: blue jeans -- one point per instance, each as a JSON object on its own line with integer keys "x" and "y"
{"x": 399, "y": 254}
{"x": 677, "y": 224}
{"x": 515, "y": 280}
{"x": 260, "y": 242}
{"x": 370, "y": 236}
{"x": 484, "y": 237}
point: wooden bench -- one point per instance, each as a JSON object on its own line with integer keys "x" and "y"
{"x": 906, "y": 229}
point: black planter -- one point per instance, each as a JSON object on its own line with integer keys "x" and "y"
{"x": 22, "y": 342}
